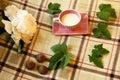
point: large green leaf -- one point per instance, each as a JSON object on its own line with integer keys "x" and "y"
{"x": 65, "y": 60}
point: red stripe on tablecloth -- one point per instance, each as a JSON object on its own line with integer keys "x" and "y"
{"x": 56, "y": 70}
{"x": 23, "y": 58}
{"x": 70, "y": 4}
{"x": 91, "y": 4}
{"x": 74, "y": 5}
{"x": 21, "y": 64}
{"x": 30, "y": 6}
{"x": 38, "y": 16}
{"x": 113, "y": 0}
{"x": 80, "y": 48}
{"x": 109, "y": 23}
{"x": 6, "y": 55}
{"x": 94, "y": 71}
{"x": 65, "y": 40}
{"x": 77, "y": 59}
{"x": 25, "y": 72}
{"x": 14, "y": 74}
{"x": 115, "y": 64}
{"x": 116, "y": 55}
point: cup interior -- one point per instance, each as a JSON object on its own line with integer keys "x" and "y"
{"x": 70, "y": 17}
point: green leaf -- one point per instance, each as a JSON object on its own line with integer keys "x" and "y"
{"x": 103, "y": 6}
{"x": 59, "y": 48}
{"x": 55, "y": 48}
{"x": 101, "y": 49}
{"x": 102, "y": 26}
{"x": 53, "y": 11}
{"x": 53, "y": 8}
{"x": 106, "y": 12}
{"x": 20, "y": 46}
{"x": 61, "y": 56}
{"x": 54, "y": 60}
{"x": 96, "y": 53}
{"x": 101, "y": 31}
{"x": 97, "y": 62}
{"x": 96, "y": 32}
{"x": 111, "y": 11}
{"x": 104, "y": 51}
{"x": 90, "y": 58}
{"x": 52, "y": 65}
{"x": 65, "y": 60}
{"x": 106, "y": 33}
{"x": 99, "y": 46}
{"x": 63, "y": 47}
{"x": 103, "y": 15}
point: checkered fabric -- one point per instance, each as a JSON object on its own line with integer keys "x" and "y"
{"x": 12, "y": 65}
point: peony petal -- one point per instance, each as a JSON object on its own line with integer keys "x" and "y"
{"x": 11, "y": 11}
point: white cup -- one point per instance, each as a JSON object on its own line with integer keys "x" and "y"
{"x": 68, "y": 18}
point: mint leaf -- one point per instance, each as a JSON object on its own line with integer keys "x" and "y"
{"x": 65, "y": 60}
{"x": 103, "y": 6}
{"x": 54, "y": 11}
{"x": 55, "y": 48}
{"x": 102, "y": 31}
{"x": 96, "y": 32}
{"x": 99, "y": 46}
{"x": 111, "y": 11}
{"x": 61, "y": 56}
{"x": 54, "y": 60}
{"x": 102, "y": 26}
{"x": 104, "y": 51}
{"x": 53, "y": 8}
{"x": 101, "y": 49}
{"x": 59, "y": 48}
{"x": 106, "y": 12}
{"x": 97, "y": 62}
{"x": 103, "y": 15}
{"x": 97, "y": 54}
{"x": 90, "y": 58}
{"x": 106, "y": 33}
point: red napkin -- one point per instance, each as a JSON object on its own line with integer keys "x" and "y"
{"x": 81, "y": 28}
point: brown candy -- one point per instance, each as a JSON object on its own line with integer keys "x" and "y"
{"x": 42, "y": 69}
{"x": 30, "y": 65}
{"x": 40, "y": 57}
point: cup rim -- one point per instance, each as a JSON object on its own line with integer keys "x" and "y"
{"x": 73, "y": 11}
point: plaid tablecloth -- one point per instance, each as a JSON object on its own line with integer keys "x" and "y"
{"x": 12, "y": 65}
